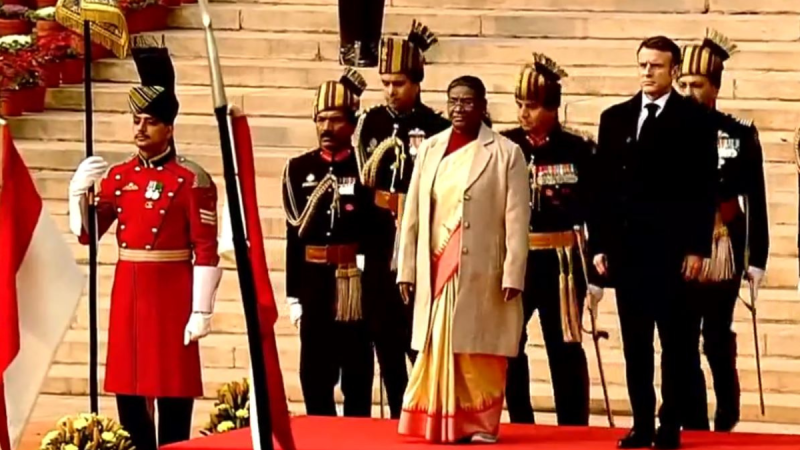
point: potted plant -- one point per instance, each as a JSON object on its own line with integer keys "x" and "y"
{"x": 14, "y": 20}
{"x": 17, "y": 77}
{"x": 144, "y": 15}
{"x": 46, "y": 21}
{"x": 87, "y": 431}
{"x": 231, "y": 409}
{"x": 69, "y": 61}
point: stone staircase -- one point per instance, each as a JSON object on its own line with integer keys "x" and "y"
{"x": 275, "y": 53}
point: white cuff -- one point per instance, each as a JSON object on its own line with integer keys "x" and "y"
{"x": 292, "y": 301}
{"x": 204, "y": 289}
{"x": 360, "y": 262}
{"x": 77, "y": 213}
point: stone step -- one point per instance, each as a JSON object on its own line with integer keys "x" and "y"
{"x": 293, "y": 102}
{"x": 618, "y": 6}
{"x": 55, "y": 185}
{"x": 72, "y": 379}
{"x": 231, "y": 351}
{"x": 188, "y": 43}
{"x": 615, "y": 81}
{"x": 67, "y": 155}
{"x": 107, "y": 252}
{"x": 499, "y": 22}
{"x": 267, "y": 132}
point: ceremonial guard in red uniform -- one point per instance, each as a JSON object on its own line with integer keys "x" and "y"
{"x": 741, "y": 204}
{"x": 166, "y": 276}
{"x": 327, "y": 211}
{"x": 559, "y": 166}
{"x": 387, "y": 141}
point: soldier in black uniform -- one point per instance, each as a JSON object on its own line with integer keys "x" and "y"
{"x": 713, "y": 298}
{"x": 360, "y": 25}
{"x": 387, "y": 138}
{"x": 559, "y": 162}
{"x": 327, "y": 209}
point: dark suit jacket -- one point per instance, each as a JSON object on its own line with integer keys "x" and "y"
{"x": 654, "y": 204}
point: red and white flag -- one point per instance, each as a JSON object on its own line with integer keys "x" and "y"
{"x": 40, "y": 287}
{"x": 267, "y": 309}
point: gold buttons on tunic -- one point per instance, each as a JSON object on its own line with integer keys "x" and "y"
{"x": 124, "y": 245}
{"x": 147, "y": 247}
{"x": 464, "y": 250}
{"x": 118, "y": 177}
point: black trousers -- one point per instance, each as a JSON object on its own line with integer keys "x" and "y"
{"x": 651, "y": 295}
{"x": 174, "y": 420}
{"x": 568, "y": 367}
{"x": 390, "y": 329}
{"x": 361, "y": 21}
{"x": 711, "y": 307}
{"x": 331, "y": 352}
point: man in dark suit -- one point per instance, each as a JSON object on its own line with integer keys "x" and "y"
{"x": 651, "y": 228}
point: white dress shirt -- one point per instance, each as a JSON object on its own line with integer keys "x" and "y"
{"x": 661, "y": 102}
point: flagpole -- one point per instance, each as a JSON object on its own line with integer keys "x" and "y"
{"x": 243, "y": 265}
{"x": 92, "y": 223}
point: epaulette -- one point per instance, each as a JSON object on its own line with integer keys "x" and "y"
{"x": 365, "y": 111}
{"x": 585, "y": 135}
{"x": 118, "y": 164}
{"x": 201, "y": 178}
{"x": 746, "y": 122}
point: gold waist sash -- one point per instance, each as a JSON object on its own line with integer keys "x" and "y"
{"x": 154, "y": 255}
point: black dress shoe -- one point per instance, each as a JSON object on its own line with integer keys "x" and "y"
{"x": 667, "y": 438}
{"x": 636, "y": 439}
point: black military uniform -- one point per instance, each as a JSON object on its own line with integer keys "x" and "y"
{"x": 327, "y": 210}
{"x": 555, "y": 282}
{"x": 360, "y": 25}
{"x": 713, "y": 300}
{"x": 387, "y": 142}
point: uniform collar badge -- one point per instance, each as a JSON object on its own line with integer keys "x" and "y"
{"x": 131, "y": 186}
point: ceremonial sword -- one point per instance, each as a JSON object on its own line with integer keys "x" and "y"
{"x": 243, "y": 266}
{"x": 751, "y": 306}
{"x": 597, "y": 335}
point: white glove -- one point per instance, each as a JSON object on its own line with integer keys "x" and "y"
{"x": 360, "y": 262}
{"x": 756, "y": 276}
{"x": 89, "y": 171}
{"x": 295, "y": 310}
{"x": 86, "y": 175}
{"x": 199, "y": 326}
{"x": 204, "y": 292}
{"x": 595, "y": 295}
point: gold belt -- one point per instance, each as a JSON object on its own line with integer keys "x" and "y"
{"x": 154, "y": 255}
{"x": 389, "y": 200}
{"x": 551, "y": 241}
{"x": 331, "y": 254}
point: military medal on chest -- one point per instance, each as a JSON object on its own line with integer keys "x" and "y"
{"x": 727, "y": 147}
{"x": 154, "y": 189}
{"x": 415, "y": 138}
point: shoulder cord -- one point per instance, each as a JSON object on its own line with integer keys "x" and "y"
{"x": 302, "y": 219}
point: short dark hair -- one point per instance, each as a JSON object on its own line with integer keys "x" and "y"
{"x": 662, "y": 44}
{"x": 473, "y": 83}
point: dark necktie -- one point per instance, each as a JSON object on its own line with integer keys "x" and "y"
{"x": 648, "y": 127}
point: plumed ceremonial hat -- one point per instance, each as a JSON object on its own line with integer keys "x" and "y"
{"x": 344, "y": 94}
{"x": 540, "y": 82}
{"x": 406, "y": 56}
{"x": 708, "y": 58}
{"x": 155, "y": 94}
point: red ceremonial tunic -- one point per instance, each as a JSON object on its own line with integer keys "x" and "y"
{"x": 166, "y": 212}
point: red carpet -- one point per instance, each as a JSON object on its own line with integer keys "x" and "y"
{"x": 328, "y": 433}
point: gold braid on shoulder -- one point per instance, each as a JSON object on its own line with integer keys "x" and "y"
{"x": 358, "y": 146}
{"x": 369, "y": 173}
{"x": 302, "y": 219}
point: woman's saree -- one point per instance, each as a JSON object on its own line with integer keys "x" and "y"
{"x": 451, "y": 397}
